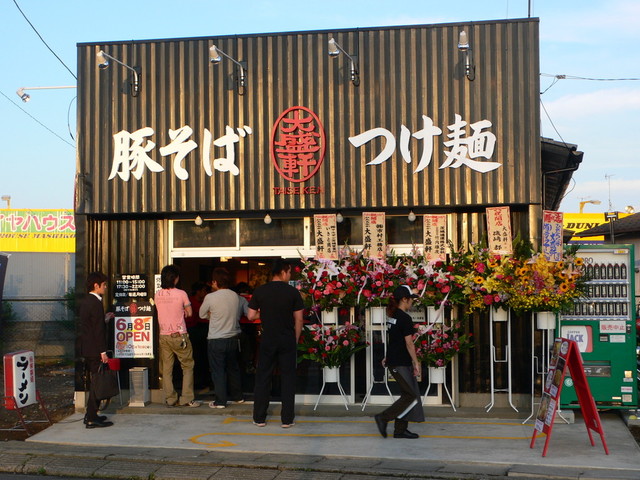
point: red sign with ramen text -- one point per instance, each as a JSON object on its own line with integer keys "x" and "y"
{"x": 298, "y": 144}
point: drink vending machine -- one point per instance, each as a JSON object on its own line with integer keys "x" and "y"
{"x": 604, "y": 326}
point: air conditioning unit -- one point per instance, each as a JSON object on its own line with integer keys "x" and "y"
{"x": 139, "y": 394}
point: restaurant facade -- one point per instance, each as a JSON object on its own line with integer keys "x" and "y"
{"x": 218, "y": 151}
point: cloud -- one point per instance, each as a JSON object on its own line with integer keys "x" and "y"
{"x": 597, "y": 102}
{"x": 606, "y": 22}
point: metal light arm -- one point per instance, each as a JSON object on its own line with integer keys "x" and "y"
{"x": 26, "y": 97}
{"x": 334, "y": 51}
{"x": 213, "y": 50}
{"x": 136, "y": 76}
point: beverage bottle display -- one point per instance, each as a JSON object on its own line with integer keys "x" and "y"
{"x": 596, "y": 271}
{"x": 616, "y": 271}
{"x": 623, "y": 271}
{"x": 609, "y": 272}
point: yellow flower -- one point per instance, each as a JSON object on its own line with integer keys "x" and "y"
{"x": 478, "y": 280}
{"x": 564, "y": 287}
{"x": 578, "y": 261}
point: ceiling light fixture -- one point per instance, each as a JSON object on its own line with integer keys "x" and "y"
{"x": 412, "y": 216}
{"x": 267, "y": 219}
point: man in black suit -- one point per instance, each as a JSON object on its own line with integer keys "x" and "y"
{"x": 93, "y": 341}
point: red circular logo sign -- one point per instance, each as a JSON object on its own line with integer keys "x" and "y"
{"x": 298, "y": 143}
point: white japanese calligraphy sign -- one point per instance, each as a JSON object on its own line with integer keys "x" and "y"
{"x": 552, "y": 235}
{"x": 19, "y": 379}
{"x": 326, "y": 232}
{"x": 374, "y": 237}
{"x": 435, "y": 237}
{"x": 133, "y": 336}
{"x": 499, "y": 230}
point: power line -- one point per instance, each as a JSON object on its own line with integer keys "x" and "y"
{"x": 37, "y": 121}
{"x": 45, "y": 43}
{"x": 573, "y": 77}
{"x": 552, "y": 124}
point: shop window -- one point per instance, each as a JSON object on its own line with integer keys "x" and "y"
{"x": 212, "y": 233}
{"x": 280, "y": 232}
{"x": 400, "y": 231}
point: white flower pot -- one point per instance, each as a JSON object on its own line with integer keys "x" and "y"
{"x": 546, "y": 320}
{"x": 330, "y": 374}
{"x": 499, "y": 314}
{"x": 435, "y": 316}
{"x": 437, "y": 374}
{"x": 378, "y": 315}
{"x": 329, "y": 317}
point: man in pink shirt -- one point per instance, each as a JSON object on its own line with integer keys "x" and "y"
{"x": 173, "y": 305}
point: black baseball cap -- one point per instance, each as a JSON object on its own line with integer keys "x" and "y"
{"x": 404, "y": 291}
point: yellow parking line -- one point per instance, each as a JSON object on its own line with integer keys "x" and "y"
{"x": 430, "y": 422}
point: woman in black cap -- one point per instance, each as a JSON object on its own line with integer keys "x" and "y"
{"x": 402, "y": 361}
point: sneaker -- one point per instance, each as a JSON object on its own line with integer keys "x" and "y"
{"x": 216, "y": 405}
{"x": 171, "y": 405}
{"x": 260, "y": 424}
{"x": 287, "y": 425}
{"x": 192, "y": 404}
{"x": 238, "y": 401}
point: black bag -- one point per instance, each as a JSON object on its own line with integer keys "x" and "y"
{"x": 105, "y": 383}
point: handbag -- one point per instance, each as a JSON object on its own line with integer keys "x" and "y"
{"x": 104, "y": 382}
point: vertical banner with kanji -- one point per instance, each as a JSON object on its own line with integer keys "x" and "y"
{"x": 499, "y": 229}
{"x": 19, "y": 379}
{"x": 552, "y": 235}
{"x": 374, "y": 235}
{"x": 325, "y": 228}
{"x": 435, "y": 237}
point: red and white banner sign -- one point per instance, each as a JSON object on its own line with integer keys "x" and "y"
{"x": 374, "y": 236}
{"x": 499, "y": 230}
{"x": 326, "y": 232}
{"x": 435, "y": 237}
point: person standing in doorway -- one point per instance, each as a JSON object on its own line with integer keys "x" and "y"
{"x": 279, "y": 307}
{"x": 173, "y": 305}
{"x": 198, "y": 329}
{"x": 401, "y": 360}
{"x": 93, "y": 342}
{"x": 223, "y": 309}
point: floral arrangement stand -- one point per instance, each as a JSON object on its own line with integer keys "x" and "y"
{"x": 437, "y": 376}
{"x": 540, "y": 364}
{"x": 371, "y": 330}
{"x": 331, "y": 375}
{"x": 495, "y": 361}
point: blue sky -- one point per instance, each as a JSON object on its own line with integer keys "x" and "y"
{"x": 586, "y": 38}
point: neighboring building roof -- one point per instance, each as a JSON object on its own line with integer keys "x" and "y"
{"x": 559, "y": 161}
{"x": 625, "y": 226}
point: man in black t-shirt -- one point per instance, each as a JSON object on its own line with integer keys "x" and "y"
{"x": 279, "y": 307}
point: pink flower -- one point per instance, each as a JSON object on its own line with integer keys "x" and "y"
{"x": 345, "y": 343}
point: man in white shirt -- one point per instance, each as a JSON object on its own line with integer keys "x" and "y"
{"x": 223, "y": 309}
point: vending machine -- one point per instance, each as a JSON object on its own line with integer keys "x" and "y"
{"x": 603, "y": 325}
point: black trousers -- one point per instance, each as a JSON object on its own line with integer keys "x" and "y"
{"x": 281, "y": 352}
{"x": 91, "y": 365}
{"x": 402, "y": 406}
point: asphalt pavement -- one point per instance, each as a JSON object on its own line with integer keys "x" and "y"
{"x": 155, "y": 442}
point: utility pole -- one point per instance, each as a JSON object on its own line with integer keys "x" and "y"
{"x": 608, "y": 177}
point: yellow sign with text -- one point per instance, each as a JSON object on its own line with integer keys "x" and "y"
{"x": 579, "y": 222}
{"x": 37, "y": 231}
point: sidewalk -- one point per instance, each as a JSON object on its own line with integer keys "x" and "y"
{"x": 201, "y": 443}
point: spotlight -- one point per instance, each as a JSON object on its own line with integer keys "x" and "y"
{"x": 215, "y": 56}
{"x": 463, "y": 46}
{"x": 103, "y": 63}
{"x": 335, "y": 49}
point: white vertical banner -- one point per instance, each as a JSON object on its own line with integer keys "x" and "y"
{"x": 374, "y": 236}
{"x": 499, "y": 230}
{"x": 325, "y": 228}
{"x": 19, "y": 379}
{"x": 552, "y": 235}
{"x": 435, "y": 237}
